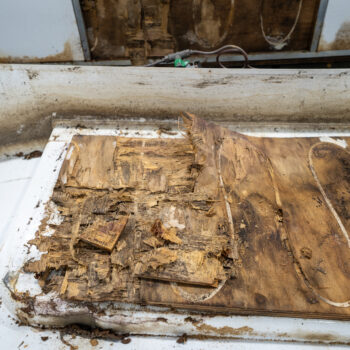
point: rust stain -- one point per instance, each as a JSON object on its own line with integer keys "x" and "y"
{"x": 341, "y": 41}
{"x": 225, "y": 330}
{"x": 64, "y": 56}
{"x": 309, "y": 337}
{"x": 192, "y": 320}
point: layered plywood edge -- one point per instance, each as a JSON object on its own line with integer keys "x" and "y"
{"x": 215, "y": 222}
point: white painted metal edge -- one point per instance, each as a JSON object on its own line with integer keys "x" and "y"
{"x": 29, "y": 94}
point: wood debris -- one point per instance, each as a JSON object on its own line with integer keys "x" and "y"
{"x": 104, "y": 234}
{"x": 168, "y": 234}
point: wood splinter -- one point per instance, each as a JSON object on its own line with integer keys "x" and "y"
{"x": 103, "y": 234}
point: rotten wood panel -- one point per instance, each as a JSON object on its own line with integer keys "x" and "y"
{"x": 218, "y": 222}
{"x": 151, "y": 28}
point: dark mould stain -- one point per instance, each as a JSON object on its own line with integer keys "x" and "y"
{"x": 192, "y": 320}
{"x": 34, "y": 154}
{"x": 207, "y": 83}
{"x": 81, "y": 126}
{"x": 126, "y": 340}
{"x": 73, "y": 69}
{"x": 32, "y": 74}
{"x": 260, "y": 299}
{"x": 306, "y": 252}
{"x": 182, "y": 339}
{"x": 311, "y": 298}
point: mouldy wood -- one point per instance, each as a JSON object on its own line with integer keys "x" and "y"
{"x": 152, "y": 28}
{"x": 218, "y": 222}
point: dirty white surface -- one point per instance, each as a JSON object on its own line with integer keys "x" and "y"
{"x": 15, "y": 175}
{"x": 30, "y": 94}
{"x": 19, "y": 173}
{"x": 35, "y": 30}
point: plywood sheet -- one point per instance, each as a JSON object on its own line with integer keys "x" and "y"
{"x": 150, "y": 28}
{"x": 218, "y": 221}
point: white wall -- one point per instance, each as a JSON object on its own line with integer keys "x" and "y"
{"x": 336, "y": 28}
{"x": 38, "y": 30}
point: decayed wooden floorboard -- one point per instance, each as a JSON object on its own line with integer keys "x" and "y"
{"x": 217, "y": 221}
{"x": 150, "y": 181}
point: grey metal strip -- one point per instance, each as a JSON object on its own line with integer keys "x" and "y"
{"x": 287, "y": 55}
{"x": 82, "y": 30}
{"x": 319, "y": 25}
{"x": 269, "y": 56}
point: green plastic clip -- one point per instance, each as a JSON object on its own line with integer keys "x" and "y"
{"x": 181, "y": 63}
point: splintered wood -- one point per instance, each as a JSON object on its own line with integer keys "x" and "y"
{"x": 216, "y": 221}
{"x": 104, "y": 234}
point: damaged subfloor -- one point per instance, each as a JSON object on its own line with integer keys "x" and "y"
{"x": 215, "y": 221}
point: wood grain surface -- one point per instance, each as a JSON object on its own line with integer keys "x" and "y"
{"x": 218, "y": 221}
{"x": 152, "y": 28}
